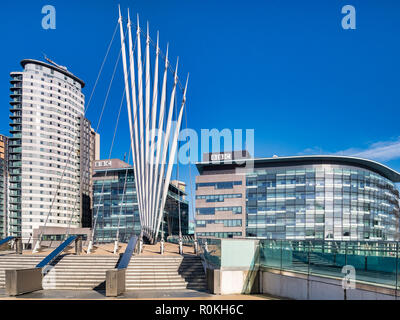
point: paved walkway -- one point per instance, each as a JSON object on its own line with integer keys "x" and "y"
{"x": 131, "y": 295}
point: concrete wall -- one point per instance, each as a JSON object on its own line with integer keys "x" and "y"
{"x": 115, "y": 282}
{"x": 57, "y": 231}
{"x": 19, "y": 281}
{"x": 238, "y": 272}
{"x": 300, "y": 287}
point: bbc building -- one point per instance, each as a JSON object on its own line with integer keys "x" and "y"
{"x": 296, "y": 198}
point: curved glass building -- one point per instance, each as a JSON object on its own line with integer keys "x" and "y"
{"x": 305, "y": 197}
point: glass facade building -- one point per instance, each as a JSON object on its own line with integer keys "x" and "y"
{"x": 313, "y": 197}
{"x": 321, "y": 202}
{"x": 115, "y": 206}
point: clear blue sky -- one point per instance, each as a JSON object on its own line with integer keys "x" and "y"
{"x": 284, "y": 68}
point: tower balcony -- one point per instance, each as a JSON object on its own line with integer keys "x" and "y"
{"x": 16, "y": 79}
{"x": 15, "y": 100}
{"x": 16, "y": 85}
{"x": 15, "y": 107}
{"x": 15, "y": 149}
{"x": 15, "y": 93}
{"x": 15, "y": 128}
{"x": 16, "y": 114}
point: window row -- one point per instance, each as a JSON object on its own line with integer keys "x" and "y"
{"x": 219, "y": 185}
{"x": 218, "y": 197}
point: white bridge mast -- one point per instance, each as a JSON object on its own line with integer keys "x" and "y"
{"x": 149, "y": 158}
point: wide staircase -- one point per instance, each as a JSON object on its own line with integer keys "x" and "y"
{"x": 84, "y": 272}
{"x": 165, "y": 273}
{"x": 16, "y": 261}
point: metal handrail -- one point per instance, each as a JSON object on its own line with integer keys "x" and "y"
{"x": 126, "y": 257}
{"x": 5, "y": 240}
{"x": 186, "y": 240}
{"x": 56, "y": 252}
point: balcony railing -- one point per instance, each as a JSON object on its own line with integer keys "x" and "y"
{"x": 14, "y": 164}
{"x": 15, "y": 150}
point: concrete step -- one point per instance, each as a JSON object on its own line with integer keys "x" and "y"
{"x": 73, "y": 277}
{"x": 154, "y": 279}
{"x": 79, "y": 272}
{"x": 3, "y": 260}
{"x": 163, "y": 281}
{"x": 90, "y": 263}
{"x": 5, "y": 263}
{"x": 69, "y": 287}
{"x": 166, "y": 282}
{"x": 74, "y": 281}
{"x": 75, "y": 266}
{"x": 156, "y": 286}
{"x": 163, "y": 275}
{"x": 76, "y": 272}
{"x": 150, "y": 264}
{"x": 13, "y": 264}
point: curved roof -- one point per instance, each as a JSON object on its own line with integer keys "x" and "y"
{"x": 47, "y": 65}
{"x": 377, "y": 167}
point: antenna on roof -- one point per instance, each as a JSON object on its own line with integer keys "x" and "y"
{"x": 53, "y": 63}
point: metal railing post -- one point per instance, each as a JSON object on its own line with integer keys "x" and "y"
{"x": 162, "y": 246}
{"x": 18, "y": 245}
{"x": 308, "y": 272}
{"x": 196, "y": 247}
{"x": 180, "y": 246}
{"x": 78, "y": 245}
{"x": 397, "y": 268}
{"x": 345, "y": 263}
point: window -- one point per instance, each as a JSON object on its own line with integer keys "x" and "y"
{"x": 205, "y": 210}
{"x": 218, "y": 197}
{"x": 219, "y": 185}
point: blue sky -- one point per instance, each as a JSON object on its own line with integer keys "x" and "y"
{"x": 284, "y": 68}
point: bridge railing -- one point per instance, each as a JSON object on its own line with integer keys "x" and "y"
{"x": 115, "y": 278}
{"x": 371, "y": 262}
{"x": 5, "y": 240}
{"x": 186, "y": 240}
{"x": 17, "y": 243}
{"x": 19, "y": 281}
{"x": 130, "y": 249}
{"x": 56, "y": 252}
{"x": 210, "y": 251}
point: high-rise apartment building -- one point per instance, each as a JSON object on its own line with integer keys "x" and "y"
{"x": 3, "y": 185}
{"x": 89, "y": 151}
{"x": 48, "y": 148}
